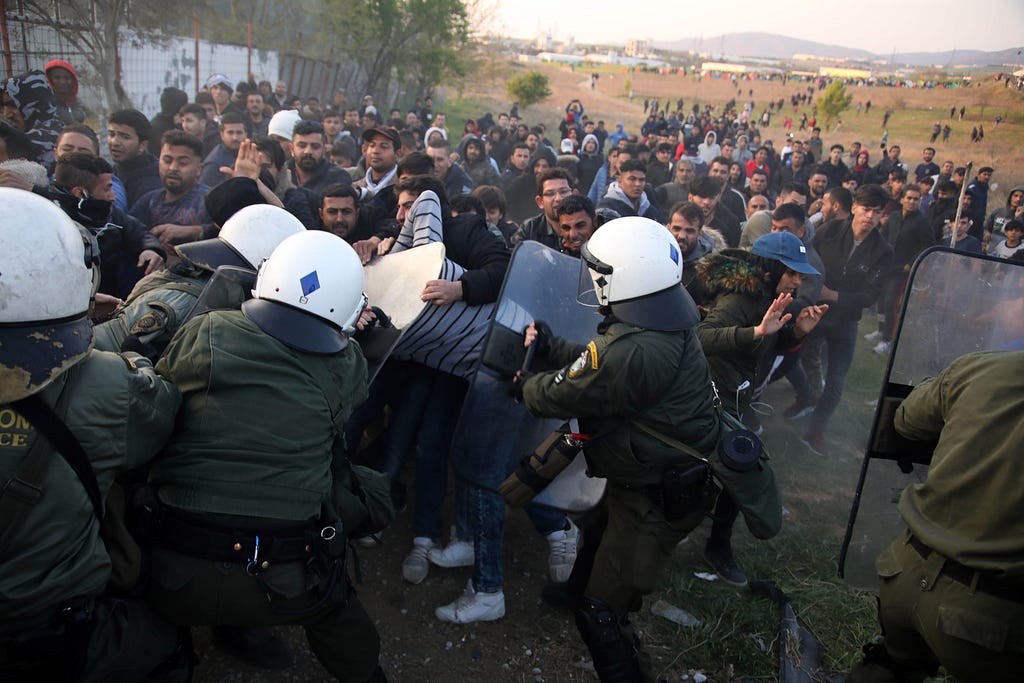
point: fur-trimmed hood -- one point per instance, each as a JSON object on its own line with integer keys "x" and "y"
{"x": 710, "y": 240}
{"x": 732, "y": 271}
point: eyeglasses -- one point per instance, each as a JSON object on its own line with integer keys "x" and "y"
{"x": 561, "y": 192}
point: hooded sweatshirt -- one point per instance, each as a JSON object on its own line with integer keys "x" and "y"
{"x": 1004, "y": 214}
{"x": 617, "y": 200}
{"x": 589, "y": 164}
{"x": 709, "y": 149}
{"x": 171, "y": 100}
{"x": 68, "y": 109}
{"x": 33, "y": 97}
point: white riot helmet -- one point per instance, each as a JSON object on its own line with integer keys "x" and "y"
{"x": 635, "y": 267}
{"x": 48, "y": 273}
{"x": 245, "y": 239}
{"x": 309, "y": 293}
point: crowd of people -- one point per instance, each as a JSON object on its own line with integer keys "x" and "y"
{"x": 250, "y": 421}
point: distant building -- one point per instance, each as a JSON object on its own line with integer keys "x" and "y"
{"x": 836, "y": 72}
{"x": 637, "y": 48}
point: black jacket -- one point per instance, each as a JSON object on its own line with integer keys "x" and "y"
{"x": 538, "y": 230}
{"x": 325, "y": 174}
{"x": 908, "y": 236}
{"x": 140, "y": 175}
{"x": 468, "y": 242}
{"x": 121, "y": 238}
{"x": 857, "y": 276}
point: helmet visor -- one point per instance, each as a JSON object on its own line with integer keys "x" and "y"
{"x": 595, "y": 277}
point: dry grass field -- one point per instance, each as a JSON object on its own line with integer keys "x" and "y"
{"x": 915, "y": 111}
{"x": 736, "y": 640}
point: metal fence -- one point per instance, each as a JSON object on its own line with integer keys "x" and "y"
{"x": 151, "y": 62}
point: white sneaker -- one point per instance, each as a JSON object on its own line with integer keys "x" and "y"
{"x": 882, "y": 348}
{"x": 415, "y": 566}
{"x": 873, "y": 337}
{"x": 562, "y": 553}
{"x": 456, "y": 554}
{"x": 472, "y": 606}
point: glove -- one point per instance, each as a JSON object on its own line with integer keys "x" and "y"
{"x": 544, "y": 335}
{"x": 538, "y": 469}
{"x": 518, "y": 380}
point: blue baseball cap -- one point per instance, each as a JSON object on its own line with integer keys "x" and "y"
{"x": 787, "y": 248}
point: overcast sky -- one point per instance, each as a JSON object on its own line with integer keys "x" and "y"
{"x": 876, "y": 25}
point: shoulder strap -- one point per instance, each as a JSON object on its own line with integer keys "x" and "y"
{"x": 25, "y": 488}
{"x": 669, "y": 441}
{"x": 53, "y": 429}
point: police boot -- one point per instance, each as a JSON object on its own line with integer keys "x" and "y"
{"x": 878, "y": 666}
{"x": 254, "y": 645}
{"x": 615, "y": 656}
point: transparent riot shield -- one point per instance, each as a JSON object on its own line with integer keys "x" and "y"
{"x": 228, "y": 289}
{"x": 393, "y": 283}
{"x": 955, "y": 303}
{"x": 494, "y": 430}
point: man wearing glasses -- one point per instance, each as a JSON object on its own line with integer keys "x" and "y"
{"x": 553, "y": 186}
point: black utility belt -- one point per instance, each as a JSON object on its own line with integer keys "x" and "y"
{"x": 982, "y": 582}
{"x": 199, "y": 537}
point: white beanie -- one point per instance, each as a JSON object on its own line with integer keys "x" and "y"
{"x": 282, "y": 124}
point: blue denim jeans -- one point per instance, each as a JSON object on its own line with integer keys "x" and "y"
{"x": 396, "y": 386}
{"x": 425, "y": 406}
{"x": 486, "y": 522}
{"x": 434, "y": 440}
{"x": 840, "y": 339}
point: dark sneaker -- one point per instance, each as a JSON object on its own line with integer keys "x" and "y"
{"x": 799, "y": 409}
{"x": 719, "y": 557}
{"x": 815, "y": 442}
{"x": 254, "y": 645}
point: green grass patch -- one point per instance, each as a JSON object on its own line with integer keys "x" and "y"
{"x": 737, "y": 636}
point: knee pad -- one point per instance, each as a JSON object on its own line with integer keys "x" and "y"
{"x": 615, "y": 657}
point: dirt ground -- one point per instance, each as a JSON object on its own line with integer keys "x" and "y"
{"x": 534, "y": 642}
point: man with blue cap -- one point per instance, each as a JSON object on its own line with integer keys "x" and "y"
{"x": 745, "y": 295}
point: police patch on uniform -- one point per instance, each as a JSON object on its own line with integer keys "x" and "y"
{"x": 151, "y": 322}
{"x": 579, "y": 365}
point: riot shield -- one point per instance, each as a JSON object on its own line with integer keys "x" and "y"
{"x": 393, "y": 283}
{"x": 955, "y": 303}
{"x": 494, "y": 430}
{"x": 229, "y": 288}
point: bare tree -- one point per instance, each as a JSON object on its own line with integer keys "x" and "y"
{"x": 91, "y": 28}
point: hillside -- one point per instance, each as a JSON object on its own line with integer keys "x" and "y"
{"x": 773, "y": 46}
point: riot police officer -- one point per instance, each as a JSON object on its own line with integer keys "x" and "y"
{"x": 952, "y": 591}
{"x": 71, "y": 418}
{"x": 255, "y": 488}
{"x": 160, "y": 303}
{"x": 643, "y": 379}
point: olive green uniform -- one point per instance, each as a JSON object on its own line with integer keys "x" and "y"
{"x": 155, "y": 309}
{"x": 255, "y": 451}
{"x": 121, "y": 414}
{"x": 952, "y": 587}
{"x": 630, "y": 374}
